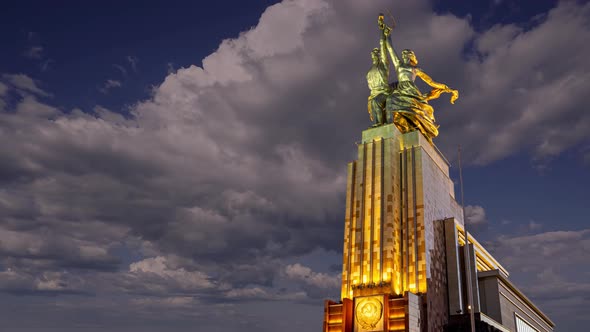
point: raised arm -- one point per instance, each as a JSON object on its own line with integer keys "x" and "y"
{"x": 383, "y": 53}
{"x": 387, "y": 40}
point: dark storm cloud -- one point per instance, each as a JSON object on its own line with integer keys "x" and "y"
{"x": 230, "y": 170}
{"x": 53, "y": 251}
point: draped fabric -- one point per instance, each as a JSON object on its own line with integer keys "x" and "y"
{"x": 409, "y": 110}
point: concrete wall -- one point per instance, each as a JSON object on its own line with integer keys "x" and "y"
{"x": 510, "y": 304}
{"x": 489, "y": 298}
{"x": 501, "y": 300}
{"x": 454, "y": 288}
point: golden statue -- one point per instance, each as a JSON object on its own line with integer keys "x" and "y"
{"x": 406, "y": 106}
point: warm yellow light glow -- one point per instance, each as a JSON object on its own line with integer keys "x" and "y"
{"x": 397, "y": 317}
{"x": 369, "y": 313}
{"x": 397, "y": 327}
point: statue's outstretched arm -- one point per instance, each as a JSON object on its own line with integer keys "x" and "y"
{"x": 387, "y": 41}
{"x": 429, "y": 80}
{"x": 439, "y": 88}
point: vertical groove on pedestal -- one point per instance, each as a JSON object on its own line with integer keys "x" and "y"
{"x": 372, "y": 213}
{"x": 397, "y": 216}
{"x": 362, "y": 213}
{"x": 416, "y": 281}
{"x": 351, "y": 223}
{"x": 382, "y": 213}
{"x": 406, "y": 227}
{"x": 389, "y": 210}
{"x": 401, "y": 221}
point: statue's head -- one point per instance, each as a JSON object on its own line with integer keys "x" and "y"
{"x": 375, "y": 55}
{"x": 408, "y": 57}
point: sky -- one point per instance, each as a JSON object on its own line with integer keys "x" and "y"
{"x": 181, "y": 166}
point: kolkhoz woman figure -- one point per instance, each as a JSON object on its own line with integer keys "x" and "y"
{"x": 406, "y": 106}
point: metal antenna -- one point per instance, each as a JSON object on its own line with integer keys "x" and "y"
{"x": 467, "y": 261}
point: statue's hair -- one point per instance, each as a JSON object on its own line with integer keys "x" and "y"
{"x": 407, "y": 51}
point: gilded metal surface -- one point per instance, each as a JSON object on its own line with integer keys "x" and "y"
{"x": 368, "y": 313}
{"x": 402, "y": 103}
{"x": 378, "y": 81}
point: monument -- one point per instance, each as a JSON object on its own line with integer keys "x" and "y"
{"x": 407, "y": 263}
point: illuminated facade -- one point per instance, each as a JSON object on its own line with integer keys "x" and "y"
{"x": 403, "y": 249}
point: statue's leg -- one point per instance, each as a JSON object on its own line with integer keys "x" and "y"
{"x": 381, "y": 99}
{"x": 375, "y": 113}
{"x": 389, "y": 116}
{"x": 371, "y": 105}
{"x": 377, "y": 109}
{"x": 379, "y": 116}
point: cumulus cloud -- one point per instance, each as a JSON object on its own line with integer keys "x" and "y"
{"x": 24, "y": 84}
{"x": 317, "y": 285}
{"x": 305, "y": 274}
{"x": 531, "y": 252}
{"x": 158, "y": 267}
{"x": 475, "y": 215}
{"x": 515, "y": 89}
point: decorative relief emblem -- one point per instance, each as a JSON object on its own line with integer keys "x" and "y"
{"x": 368, "y": 312}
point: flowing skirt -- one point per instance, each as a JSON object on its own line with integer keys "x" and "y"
{"x": 409, "y": 110}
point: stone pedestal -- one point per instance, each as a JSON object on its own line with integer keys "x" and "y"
{"x": 396, "y": 189}
{"x": 402, "y": 266}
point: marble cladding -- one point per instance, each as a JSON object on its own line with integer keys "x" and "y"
{"x": 398, "y": 186}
